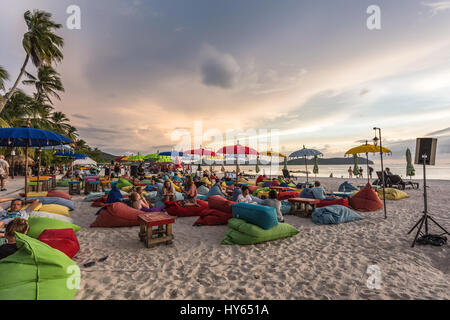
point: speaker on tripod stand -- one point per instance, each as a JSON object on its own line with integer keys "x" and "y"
{"x": 426, "y": 155}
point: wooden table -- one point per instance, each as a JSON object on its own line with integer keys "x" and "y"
{"x": 162, "y": 234}
{"x": 303, "y": 206}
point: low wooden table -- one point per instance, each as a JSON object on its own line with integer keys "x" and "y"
{"x": 152, "y": 236}
{"x": 303, "y": 206}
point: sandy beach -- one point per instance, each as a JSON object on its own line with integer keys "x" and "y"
{"x": 321, "y": 262}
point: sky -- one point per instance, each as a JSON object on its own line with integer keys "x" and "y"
{"x": 143, "y": 75}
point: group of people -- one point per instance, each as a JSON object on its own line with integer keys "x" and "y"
{"x": 360, "y": 174}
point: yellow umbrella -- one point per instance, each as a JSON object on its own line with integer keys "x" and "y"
{"x": 367, "y": 148}
{"x": 272, "y": 154}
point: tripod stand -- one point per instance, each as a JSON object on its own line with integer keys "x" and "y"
{"x": 424, "y": 220}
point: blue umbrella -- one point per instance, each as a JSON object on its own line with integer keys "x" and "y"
{"x": 71, "y": 155}
{"x": 171, "y": 154}
{"x": 304, "y": 153}
{"x": 29, "y": 137}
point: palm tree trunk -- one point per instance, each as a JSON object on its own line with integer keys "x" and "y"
{"x": 11, "y": 92}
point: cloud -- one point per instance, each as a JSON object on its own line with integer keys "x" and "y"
{"x": 79, "y": 116}
{"x": 439, "y": 132}
{"x": 219, "y": 69}
{"x": 436, "y": 7}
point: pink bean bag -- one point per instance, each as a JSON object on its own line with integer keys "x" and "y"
{"x": 325, "y": 203}
{"x": 220, "y": 203}
{"x": 253, "y": 188}
{"x": 63, "y": 240}
{"x": 366, "y": 200}
{"x": 288, "y": 195}
{"x": 117, "y": 214}
{"x": 275, "y": 183}
{"x": 175, "y": 209}
{"x": 59, "y": 194}
{"x": 213, "y": 217}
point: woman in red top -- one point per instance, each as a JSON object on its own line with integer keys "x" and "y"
{"x": 261, "y": 179}
{"x": 191, "y": 194}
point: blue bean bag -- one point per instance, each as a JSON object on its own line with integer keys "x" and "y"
{"x": 236, "y": 193}
{"x": 267, "y": 184}
{"x": 229, "y": 183}
{"x": 54, "y": 200}
{"x": 215, "y": 191}
{"x": 334, "y": 215}
{"x": 203, "y": 190}
{"x": 114, "y": 195}
{"x": 202, "y": 197}
{"x": 262, "y": 216}
{"x": 150, "y": 187}
{"x": 284, "y": 185}
{"x": 347, "y": 187}
{"x": 285, "y": 207}
{"x": 307, "y": 193}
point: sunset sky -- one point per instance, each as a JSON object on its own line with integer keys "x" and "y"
{"x": 138, "y": 70}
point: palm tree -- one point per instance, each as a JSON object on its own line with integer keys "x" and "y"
{"x": 40, "y": 44}
{"x": 47, "y": 83}
{"x": 3, "y": 76}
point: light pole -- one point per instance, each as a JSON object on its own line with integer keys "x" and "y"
{"x": 13, "y": 153}
{"x": 375, "y": 142}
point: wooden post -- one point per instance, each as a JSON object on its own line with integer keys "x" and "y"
{"x": 26, "y": 171}
{"x": 39, "y": 168}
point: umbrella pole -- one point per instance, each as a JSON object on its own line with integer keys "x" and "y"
{"x": 26, "y": 171}
{"x": 306, "y": 165}
{"x": 367, "y": 162}
{"x": 39, "y": 169}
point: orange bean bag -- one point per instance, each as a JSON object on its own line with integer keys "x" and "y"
{"x": 325, "y": 203}
{"x": 288, "y": 195}
{"x": 175, "y": 209}
{"x": 366, "y": 200}
{"x": 99, "y": 203}
{"x": 117, "y": 214}
{"x": 220, "y": 203}
{"x": 213, "y": 217}
{"x": 59, "y": 194}
{"x": 63, "y": 240}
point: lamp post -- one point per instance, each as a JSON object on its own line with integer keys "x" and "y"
{"x": 375, "y": 142}
{"x": 13, "y": 153}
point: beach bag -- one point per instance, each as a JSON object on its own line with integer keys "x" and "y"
{"x": 37, "y": 272}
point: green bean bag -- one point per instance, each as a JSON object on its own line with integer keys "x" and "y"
{"x": 240, "y": 232}
{"x": 123, "y": 183}
{"x": 37, "y": 272}
{"x": 38, "y": 224}
{"x": 63, "y": 183}
{"x": 146, "y": 181}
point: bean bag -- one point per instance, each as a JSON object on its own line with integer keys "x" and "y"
{"x": 203, "y": 190}
{"x": 392, "y": 194}
{"x": 94, "y": 196}
{"x": 59, "y": 194}
{"x": 63, "y": 240}
{"x": 267, "y": 184}
{"x": 146, "y": 181}
{"x": 243, "y": 233}
{"x": 202, "y": 197}
{"x": 38, "y": 224}
{"x": 175, "y": 209}
{"x": 221, "y": 204}
{"x": 150, "y": 187}
{"x": 229, "y": 183}
{"x": 236, "y": 193}
{"x": 55, "y": 200}
{"x": 42, "y": 214}
{"x": 37, "y": 272}
{"x": 262, "y": 193}
{"x": 151, "y": 195}
{"x": 347, "y": 187}
{"x": 116, "y": 214}
{"x": 252, "y": 189}
{"x": 326, "y": 203}
{"x": 206, "y": 181}
{"x": 63, "y": 183}
{"x": 285, "y": 207}
{"x": 213, "y": 217}
{"x": 275, "y": 183}
{"x": 34, "y": 194}
{"x": 127, "y": 188}
{"x": 215, "y": 191}
{"x": 123, "y": 183}
{"x": 56, "y": 209}
{"x": 256, "y": 199}
{"x": 284, "y": 185}
{"x": 334, "y": 215}
{"x": 288, "y": 195}
{"x": 307, "y": 193}
{"x": 262, "y": 216}
{"x": 366, "y": 200}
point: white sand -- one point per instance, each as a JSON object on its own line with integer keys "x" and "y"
{"x": 321, "y": 262}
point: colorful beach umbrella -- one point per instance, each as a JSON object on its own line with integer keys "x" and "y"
{"x": 152, "y": 156}
{"x": 305, "y": 153}
{"x": 136, "y": 158}
{"x": 237, "y": 150}
{"x": 410, "y": 171}
{"x": 171, "y": 154}
{"x": 366, "y": 148}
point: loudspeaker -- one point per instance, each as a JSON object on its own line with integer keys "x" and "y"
{"x": 426, "y": 146}
{"x": 133, "y": 171}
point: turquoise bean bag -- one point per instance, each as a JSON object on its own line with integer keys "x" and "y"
{"x": 263, "y": 216}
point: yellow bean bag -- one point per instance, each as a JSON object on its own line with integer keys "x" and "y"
{"x": 37, "y": 194}
{"x": 206, "y": 180}
{"x": 55, "y": 208}
{"x": 392, "y": 194}
{"x": 177, "y": 188}
{"x": 262, "y": 193}
{"x": 127, "y": 189}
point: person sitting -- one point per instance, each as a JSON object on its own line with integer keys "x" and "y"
{"x": 9, "y": 246}
{"x": 260, "y": 178}
{"x": 168, "y": 192}
{"x": 138, "y": 203}
{"x": 319, "y": 192}
{"x": 190, "y": 190}
{"x": 245, "y": 196}
{"x": 388, "y": 171}
{"x": 16, "y": 210}
{"x": 140, "y": 192}
{"x": 141, "y": 171}
{"x": 273, "y": 202}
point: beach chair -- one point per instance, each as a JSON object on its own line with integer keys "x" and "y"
{"x": 394, "y": 181}
{"x": 286, "y": 175}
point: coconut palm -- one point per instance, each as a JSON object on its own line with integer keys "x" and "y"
{"x": 40, "y": 44}
{"x": 47, "y": 83}
{"x": 3, "y": 76}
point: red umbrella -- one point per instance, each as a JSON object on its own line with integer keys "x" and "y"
{"x": 237, "y": 150}
{"x": 202, "y": 152}
{"x": 119, "y": 158}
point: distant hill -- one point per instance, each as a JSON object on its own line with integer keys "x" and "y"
{"x": 108, "y": 157}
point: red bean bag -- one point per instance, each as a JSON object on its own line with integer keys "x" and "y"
{"x": 99, "y": 203}
{"x": 63, "y": 240}
{"x": 253, "y": 188}
{"x": 366, "y": 200}
{"x": 288, "y": 195}
{"x": 213, "y": 217}
{"x": 275, "y": 183}
{"x": 59, "y": 194}
{"x": 175, "y": 209}
{"x": 220, "y": 203}
{"x": 325, "y": 203}
{"x": 117, "y": 214}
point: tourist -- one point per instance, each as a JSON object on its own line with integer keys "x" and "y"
{"x": 350, "y": 172}
{"x": 9, "y": 243}
{"x": 245, "y": 196}
{"x": 141, "y": 171}
{"x": 16, "y": 211}
{"x": 117, "y": 170}
{"x": 388, "y": 171}
{"x": 168, "y": 192}
{"x": 273, "y": 202}
{"x": 137, "y": 202}
{"x": 370, "y": 172}
{"x": 361, "y": 172}
{"x": 4, "y": 172}
{"x": 190, "y": 190}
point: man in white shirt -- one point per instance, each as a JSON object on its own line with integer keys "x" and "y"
{"x": 4, "y": 172}
{"x": 245, "y": 196}
{"x": 16, "y": 210}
